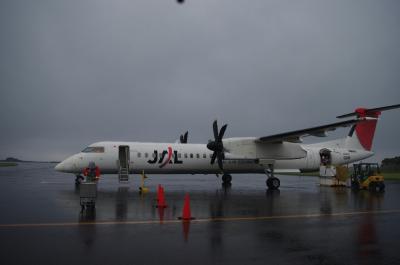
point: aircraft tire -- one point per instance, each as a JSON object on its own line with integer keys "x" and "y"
{"x": 226, "y": 178}
{"x": 273, "y": 183}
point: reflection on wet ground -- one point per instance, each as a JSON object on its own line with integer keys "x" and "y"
{"x": 301, "y": 223}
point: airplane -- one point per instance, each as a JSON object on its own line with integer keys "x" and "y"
{"x": 284, "y": 151}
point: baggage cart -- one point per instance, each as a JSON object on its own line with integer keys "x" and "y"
{"x": 88, "y": 194}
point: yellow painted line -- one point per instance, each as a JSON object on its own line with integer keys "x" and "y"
{"x": 202, "y": 220}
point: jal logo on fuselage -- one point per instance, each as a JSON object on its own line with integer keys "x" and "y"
{"x": 165, "y": 154}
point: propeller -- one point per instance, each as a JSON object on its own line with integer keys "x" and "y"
{"x": 368, "y": 112}
{"x": 217, "y": 145}
{"x": 184, "y": 138}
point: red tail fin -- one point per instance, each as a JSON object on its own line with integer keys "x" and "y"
{"x": 366, "y": 130}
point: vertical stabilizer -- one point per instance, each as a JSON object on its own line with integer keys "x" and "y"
{"x": 365, "y": 130}
{"x": 362, "y": 134}
{"x": 365, "y": 133}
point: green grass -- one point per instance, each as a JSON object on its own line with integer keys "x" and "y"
{"x": 8, "y": 164}
{"x": 391, "y": 175}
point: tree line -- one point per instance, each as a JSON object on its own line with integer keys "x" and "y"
{"x": 391, "y": 163}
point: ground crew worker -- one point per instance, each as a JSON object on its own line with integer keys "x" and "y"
{"x": 92, "y": 172}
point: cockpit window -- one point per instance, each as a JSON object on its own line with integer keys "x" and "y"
{"x": 93, "y": 149}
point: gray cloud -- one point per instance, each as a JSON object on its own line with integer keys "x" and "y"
{"x": 76, "y": 72}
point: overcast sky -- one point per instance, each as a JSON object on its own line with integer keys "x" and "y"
{"x": 76, "y": 72}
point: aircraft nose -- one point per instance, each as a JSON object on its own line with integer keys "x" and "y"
{"x": 60, "y": 166}
{"x": 65, "y": 166}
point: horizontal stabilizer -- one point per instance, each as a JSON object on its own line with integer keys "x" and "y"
{"x": 364, "y": 112}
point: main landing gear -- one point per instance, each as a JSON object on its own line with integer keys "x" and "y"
{"x": 226, "y": 180}
{"x": 273, "y": 183}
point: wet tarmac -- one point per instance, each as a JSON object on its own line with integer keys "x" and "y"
{"x": 41, "y": 221}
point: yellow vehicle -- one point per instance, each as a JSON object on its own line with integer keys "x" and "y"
{"x": 367, "y": 176}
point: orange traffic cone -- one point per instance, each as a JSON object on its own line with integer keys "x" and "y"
{"x": 161, "y": 198}
{"x": 186, "y": 214}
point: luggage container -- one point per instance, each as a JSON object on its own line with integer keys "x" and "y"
{"x": 88, "y": 194}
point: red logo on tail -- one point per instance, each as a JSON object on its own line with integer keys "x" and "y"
{"x": 366, "y": 130}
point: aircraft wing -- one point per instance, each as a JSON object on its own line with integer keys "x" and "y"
{"x": 295, "y": 136}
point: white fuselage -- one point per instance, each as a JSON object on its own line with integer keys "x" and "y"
{"x": 243, "y": 156}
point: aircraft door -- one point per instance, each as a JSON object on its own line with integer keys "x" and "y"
{"x": 326, "y": 157}
{"x": 326, "y": 169}
{"x": 123, "y": 158}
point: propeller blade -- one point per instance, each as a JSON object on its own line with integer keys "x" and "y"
{"x": 220, "y": 164}
{"x": 217, "y": 145}
{"x": 184, "y": 138}
{"x": 222, "y": 132}
{"x": 215, "y": 130}
{"x": 214, "y": 156}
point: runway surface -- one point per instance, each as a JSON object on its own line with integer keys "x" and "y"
{"x": 302, "y": 223}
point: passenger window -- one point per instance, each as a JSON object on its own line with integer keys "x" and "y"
{"x": 197, "y": 156}
{"x": 179, "y": 155}
{"x": 204, "y": 156}
{"x": 191, "y": 155}
{"x": 185, "y": 155}
{"x": 139, "y": 154}
{"x": 146, "y": 155}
